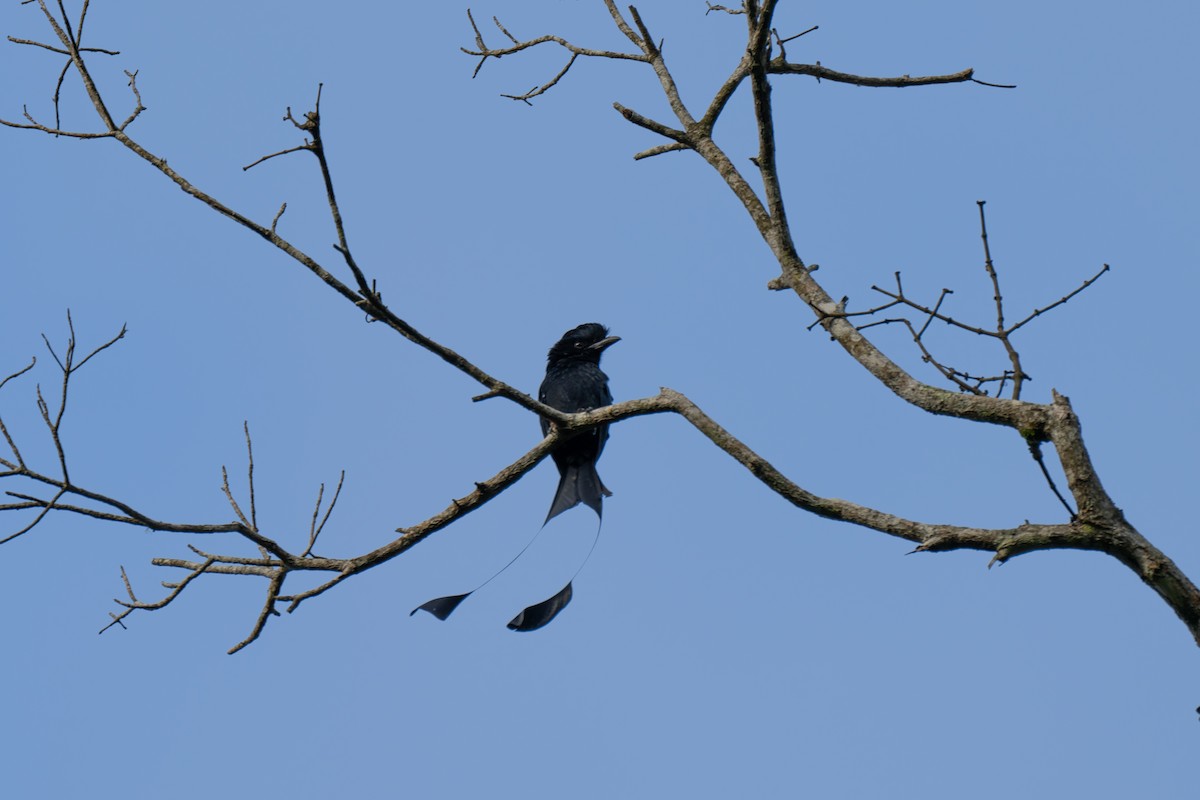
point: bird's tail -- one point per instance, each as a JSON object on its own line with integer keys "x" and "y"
{"x": 580, "y": 483}
{"x": 442, "y": 607}
{"x": 540, "y": 614}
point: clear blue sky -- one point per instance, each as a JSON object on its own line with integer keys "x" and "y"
{"x": 720, "y": 644}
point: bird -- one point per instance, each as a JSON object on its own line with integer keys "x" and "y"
{"x": 573, "y": 383}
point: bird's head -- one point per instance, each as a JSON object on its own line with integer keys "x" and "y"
{"x": 584, "y": 343}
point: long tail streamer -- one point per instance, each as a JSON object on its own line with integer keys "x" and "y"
{"x": 536, "y": 616}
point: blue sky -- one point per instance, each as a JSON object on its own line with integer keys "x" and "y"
{"x": 720, "y": 643}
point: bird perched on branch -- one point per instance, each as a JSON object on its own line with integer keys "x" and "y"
{"x": 573, "y": 383}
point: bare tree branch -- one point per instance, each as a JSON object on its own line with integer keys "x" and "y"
{"x": 485, "y": 52}
{"x": 726, "y": 9}
{"x": 315, "y": 529}
{"x": 268, "y": 610}
{"x": 660, "y": 149}
{"x": 1097, "y": 524}
{"x": 538, "y": 90}
{"x": 1018, "y": 374}
{"x": 778, "y": 66}
{"x": 1038, "y": 312}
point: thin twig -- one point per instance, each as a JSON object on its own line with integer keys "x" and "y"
{"x": 315, "y": 529}
{"x": 41, "y": 515}
{"x": 232, "y": 501}
{"x": 484, "y": 52}
{"x": 1035, "y": 450}
{"x": 726, "y": 9}
{"x": 101, "y": 348}
{"x": 20, "y": 372}
{"x": 658, "y": 150}
{"x": 538, "y": 90}
{"x": 783, "y": 41}
{"x": 278, "y": 215}
{"x": 1018, "y": 374}
{"x": 296, "y": 149}
{"x": 295, "y": 600}
{"x": 250, "y": 473}
{"x": 268, "y": 610}
{"x": 1038, "y": 312}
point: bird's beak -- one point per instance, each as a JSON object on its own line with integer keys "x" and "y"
{"x": 603, "y": 343}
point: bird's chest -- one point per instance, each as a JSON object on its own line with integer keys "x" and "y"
{"x": 575, "y": 387}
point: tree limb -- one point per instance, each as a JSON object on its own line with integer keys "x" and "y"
{"x": 1097, "y": 525}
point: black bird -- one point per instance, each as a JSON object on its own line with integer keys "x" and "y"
{"x": 573, "y": 383}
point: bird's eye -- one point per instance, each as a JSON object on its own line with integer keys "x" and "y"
{"x": 578, "y": 345}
